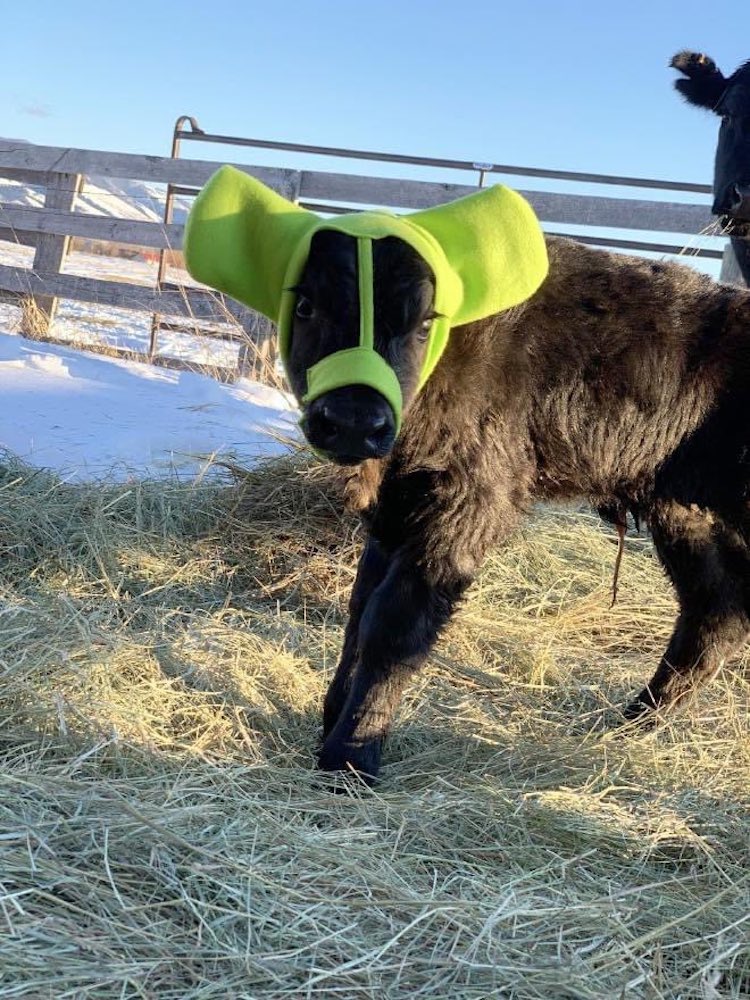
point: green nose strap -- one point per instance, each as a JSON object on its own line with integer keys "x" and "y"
{"x": 361, "y": 365}
{"x": 355, "y": 366}
{"x": 366, "y": 281}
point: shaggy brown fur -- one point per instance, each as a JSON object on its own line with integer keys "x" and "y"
{"x": 623, "y": 380}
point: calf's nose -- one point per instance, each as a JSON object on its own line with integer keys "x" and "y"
{"x": 347, "y": 433}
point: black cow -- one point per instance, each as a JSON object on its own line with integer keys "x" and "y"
{"x": 729, "y": 97}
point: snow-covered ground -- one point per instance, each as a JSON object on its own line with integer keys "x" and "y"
{"x": 90, "y": 417}
{"x": 83, "y": 322}
{"x": 126, "y": 199}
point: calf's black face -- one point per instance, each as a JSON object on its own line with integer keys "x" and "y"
{"x": 355, "y": 422}
{"x": 729, "y": 97}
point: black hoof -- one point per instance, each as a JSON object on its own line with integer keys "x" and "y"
{"x": 639, "y": 711}
{"x": 361, "y": 762}
{"x": 644, "y": 712}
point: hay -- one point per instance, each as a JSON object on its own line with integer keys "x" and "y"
{"x": 163, "y": 653}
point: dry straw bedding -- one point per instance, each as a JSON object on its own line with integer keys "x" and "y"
{"x": 163, "y": 653}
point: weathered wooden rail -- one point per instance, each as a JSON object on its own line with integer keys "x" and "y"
{"x": 61, "y": 173}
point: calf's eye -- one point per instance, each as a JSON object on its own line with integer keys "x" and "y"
{"x": 304, "y": 308}
{"x": 424, "y": 329}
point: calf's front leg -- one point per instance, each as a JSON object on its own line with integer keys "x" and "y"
{"x": 432, "y": 530}
{"x": 394, "y": 634}
{"x": 373, "y": 566}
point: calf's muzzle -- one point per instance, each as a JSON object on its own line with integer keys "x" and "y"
{"x": 350, "y": 424}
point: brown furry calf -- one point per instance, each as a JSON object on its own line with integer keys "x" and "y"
{"x": 621, "y": 380}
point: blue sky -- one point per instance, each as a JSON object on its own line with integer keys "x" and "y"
{"x": 571, "y": 85}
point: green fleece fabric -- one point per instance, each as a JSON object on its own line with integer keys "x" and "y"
{"x": 486, "y": 252}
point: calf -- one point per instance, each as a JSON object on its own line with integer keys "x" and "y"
{"x": 620, "y": 380}
{"x": 623, "y": 381}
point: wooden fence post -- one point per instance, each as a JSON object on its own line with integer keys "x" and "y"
{"x": 51, "y": 251}
{"x": 257, "y": 349}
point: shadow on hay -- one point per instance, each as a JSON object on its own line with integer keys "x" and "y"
{"x": 98, "y": 568}
{"x": 131, "y": 580}
{"x": 106, "y": 586}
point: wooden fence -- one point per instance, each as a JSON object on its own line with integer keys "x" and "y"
{"x": 62, "y": 172}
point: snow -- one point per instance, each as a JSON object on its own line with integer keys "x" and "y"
{"x": 126, "y": 199}
{"x": 90, "y": 417}
{"x": 87, "y": 323}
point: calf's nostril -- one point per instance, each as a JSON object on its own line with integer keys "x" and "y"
{"x": 379, "y": 434}
{"x": 324, "y": 425}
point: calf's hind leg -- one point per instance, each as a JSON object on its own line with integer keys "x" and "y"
{"x": 709, "y": 566}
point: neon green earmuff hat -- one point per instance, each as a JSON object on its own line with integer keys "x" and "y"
{"x": 486, "y": 252}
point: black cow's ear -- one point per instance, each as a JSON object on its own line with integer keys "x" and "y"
{"x": 705, "y": 82}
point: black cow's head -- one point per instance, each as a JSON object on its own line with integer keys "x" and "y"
{"x": 355, "y": 422}
{"x": 704, "y": 85}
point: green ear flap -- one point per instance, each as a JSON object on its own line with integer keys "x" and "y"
{"x": 241, "y": 235}
{"x": 486, "y": 252}
{"x": 493, "y": 241}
